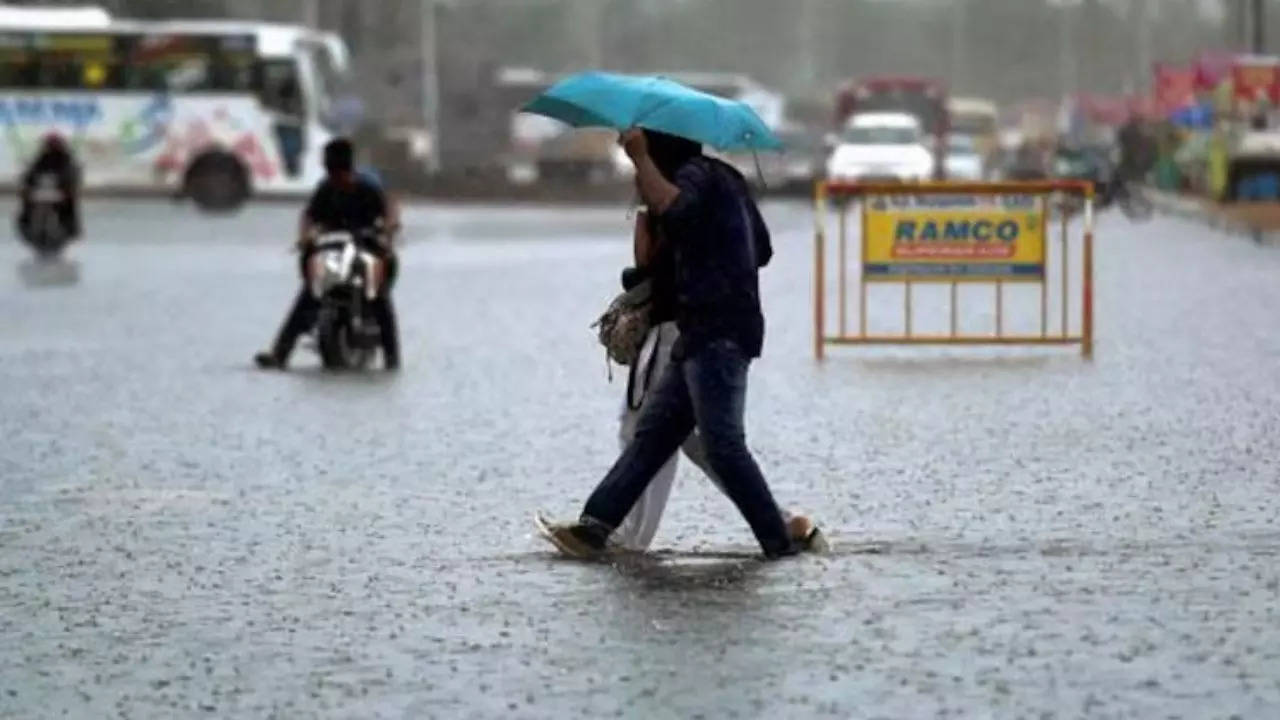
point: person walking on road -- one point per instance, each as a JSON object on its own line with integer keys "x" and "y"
{"x": 655, "y": 262}
{"x": 718, "y": 242}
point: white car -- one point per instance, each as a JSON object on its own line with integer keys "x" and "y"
{"x": 963, "y": 161}
{"x": 881, "y": 146}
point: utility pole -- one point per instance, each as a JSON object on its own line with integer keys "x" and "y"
{"x": 807, "y": 35}
{"x": 1066, "y": 51}
{"x": 311, "y": 13}
{"x": 591, "y": 16}
{"x": 1145, "y": 59}
{"x": 959, "y": 54}
{"x": 1258, "y": 15}
{"x": 430, "y": 78}
{"x": 1242, "y": 24}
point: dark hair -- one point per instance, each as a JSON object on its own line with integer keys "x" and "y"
{"x": 339, "y": 156}
{"x": 670, "y": 152}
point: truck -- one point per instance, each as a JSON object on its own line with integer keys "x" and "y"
{"x": 923, "y": 97}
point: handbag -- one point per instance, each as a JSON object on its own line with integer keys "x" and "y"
{"x": 624, "y": 325}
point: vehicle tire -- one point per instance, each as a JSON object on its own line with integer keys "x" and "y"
{"x": 331, "y": 339}
{"x": 47, "y": 235}
{"x": 1136, "y": 205}
{"x": 337, "y": 349}
{"x": 217, "y": 182}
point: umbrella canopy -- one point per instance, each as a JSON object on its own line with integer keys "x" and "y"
{"x": 612, "y": 100}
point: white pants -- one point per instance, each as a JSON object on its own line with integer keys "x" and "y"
{"x": 641, "y": 524}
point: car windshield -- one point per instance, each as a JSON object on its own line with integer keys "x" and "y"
{"x": 881, "y": 135}
{"x": 960, "y": 145}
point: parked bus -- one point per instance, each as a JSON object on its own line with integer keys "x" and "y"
{"x": 213, "y": 110}
{"x": 925, "y": 98}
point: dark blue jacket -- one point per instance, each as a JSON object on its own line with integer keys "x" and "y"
{"x": 719, "y": 241}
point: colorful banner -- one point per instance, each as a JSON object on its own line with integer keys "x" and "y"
{"x": 1211, "y": 68}
{"x": 1256, "y": 78}
{"x": 1175, "y": 87}
{"x": 945, "y": 238}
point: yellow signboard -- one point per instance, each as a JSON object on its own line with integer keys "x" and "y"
{"x": 948, "y": 238}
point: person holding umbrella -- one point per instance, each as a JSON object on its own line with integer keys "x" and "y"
{"x": 719, "y": 241}
{"x": 654, "y": 263}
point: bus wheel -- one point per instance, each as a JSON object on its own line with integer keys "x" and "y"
{"x": 217, "y": 182}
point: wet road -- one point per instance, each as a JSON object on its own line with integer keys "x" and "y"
{"x": 1023, "y": 534}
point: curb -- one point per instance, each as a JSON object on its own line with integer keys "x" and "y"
{"x": 1198, "y": 210}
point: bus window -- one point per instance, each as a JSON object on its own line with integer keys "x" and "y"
{"x": 281, "y": 95}
{"x": 279, "y": 89}
{"x": 58, "y": 73}
{"x": 17, "y": 61}
{"x": 187, "y": 63}
{"x": 330, "y": 86}
{"x": 72, "y": 61}
{"x": 17, "y": 74}
{"x": 94, "y": 74}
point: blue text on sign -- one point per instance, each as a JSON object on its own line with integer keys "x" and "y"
{"x": 955, "y": 231}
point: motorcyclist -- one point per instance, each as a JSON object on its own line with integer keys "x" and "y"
{"x": 55, "y": 159}
{"x": 344, "y": 200}
{"x": 1137, "y": 151}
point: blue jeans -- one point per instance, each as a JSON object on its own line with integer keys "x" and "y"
{"x": 707, "y": 390}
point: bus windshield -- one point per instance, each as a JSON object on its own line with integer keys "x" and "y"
{"x": 973, "y": 123}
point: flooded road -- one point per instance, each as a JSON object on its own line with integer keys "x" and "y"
{"x": 1019, "y": 533}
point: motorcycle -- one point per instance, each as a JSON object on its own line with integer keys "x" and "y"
{"x": 1132, "y": 200}
{"x": 1110, "y": 186}
{"x": 345, "y": 278}
{"x": 44, "y": 230}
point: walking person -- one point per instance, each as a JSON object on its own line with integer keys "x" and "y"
{"x": 718, "y": 241}
{"x": 654, "y": 261}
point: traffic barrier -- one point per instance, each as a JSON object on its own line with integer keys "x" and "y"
{"x": 953, "y": 233}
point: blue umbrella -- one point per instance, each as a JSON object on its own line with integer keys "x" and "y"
{"x": 612, "y": 100}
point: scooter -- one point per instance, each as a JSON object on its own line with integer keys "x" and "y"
{"x": 44, "y": 230}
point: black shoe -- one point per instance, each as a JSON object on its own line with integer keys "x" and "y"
{"x": 391, "y": 364}
{"x": 268, "y": 361}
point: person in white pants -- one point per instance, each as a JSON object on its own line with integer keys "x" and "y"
{"x": 640, "y": 525}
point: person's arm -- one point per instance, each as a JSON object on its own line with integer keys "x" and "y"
{"x": 391, "y": 213}
{"x": 305, "y": 227}
{"x": 643, "y": 245}
{"x": 657, "y": 192}
{"x": 308, "y": 225}
{"x": 306, "y": 221}
{"x": 387, "y": 212}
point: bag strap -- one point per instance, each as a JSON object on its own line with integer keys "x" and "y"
{"x": 648, "y": 373}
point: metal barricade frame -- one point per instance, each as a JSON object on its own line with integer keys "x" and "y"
{"x": 859, "y": 191}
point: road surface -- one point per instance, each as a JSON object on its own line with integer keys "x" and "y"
{"x": 1019, "y": 533}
